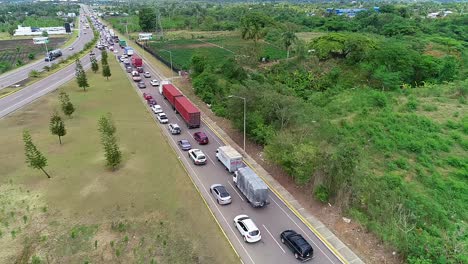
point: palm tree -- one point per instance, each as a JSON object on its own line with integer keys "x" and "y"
{"x": 288, "y": 38}
{"x": 252, "y": 27}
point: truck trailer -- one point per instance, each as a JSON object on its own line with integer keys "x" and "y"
{"x": 170, "y": 92}
{"x": 187, "y": 111}
{"x": 253, "y": 188}
{"x": 137, "y": 61}
{"x": 128, "y": 51}
{"x": 230, "y": 158}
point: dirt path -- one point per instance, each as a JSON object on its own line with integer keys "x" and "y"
{"x": 364, "y": 244}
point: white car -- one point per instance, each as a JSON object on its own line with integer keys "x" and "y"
{"x": 197, "y": 156}
{"x": 247, "y": 228}
{"x": 162, "y": 118}
{"x": 154, "y": 82}
{"x": 156, "y": 109}
{"x": 174, "y": 129}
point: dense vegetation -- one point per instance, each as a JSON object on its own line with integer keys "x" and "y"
{"x": 370, "y": 114}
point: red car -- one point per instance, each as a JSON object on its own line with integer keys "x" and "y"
{"x": 147, "y": 96}
{"x": 201, "y": 138}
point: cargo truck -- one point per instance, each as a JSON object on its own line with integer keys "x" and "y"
{"x": 163, "y": 82}
{"x": 187, "y": 111}
{"x": 122, "y": 43}
{"x": 128, "y": 51}
{"x": 170, "y": 92}
{"x": 137, "y": 61}
{"x": 253, "y": 188}
{"x": 230, "y": 158}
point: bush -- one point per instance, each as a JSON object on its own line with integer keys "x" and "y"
{"x": 321, "y": 193}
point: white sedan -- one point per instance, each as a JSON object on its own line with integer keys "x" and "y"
{"x": 156, "y": 109}
{"x": 247, "y": 228}
{"x": 154, "y": 82}
{"x": 162, "y": 118}
{"x": 197, "y": 156}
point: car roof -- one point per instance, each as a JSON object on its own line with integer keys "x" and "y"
{"x": 184, "y": 141}
{"x": 221, "y": 189}
{"x": 200, "y": 133}
{"x": 249, "y": 224}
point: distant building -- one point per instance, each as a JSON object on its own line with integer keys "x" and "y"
{"x": 350, "y": 12}
{"x": 71, "y": 15}
{"x": 34, "y": 31}
{"x": 439, "y": 14}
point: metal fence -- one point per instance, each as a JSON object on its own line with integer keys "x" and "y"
{"x": 162, "y": 59}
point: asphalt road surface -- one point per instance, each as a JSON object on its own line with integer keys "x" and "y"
{"x": 30, "y": 93}
{"x": 271, "y": 221}
{"x": 15, "y": 76}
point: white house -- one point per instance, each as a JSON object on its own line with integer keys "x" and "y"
{"x": 28, "y": 31}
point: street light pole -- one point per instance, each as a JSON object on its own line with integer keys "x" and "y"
{"x": 245, "y": 111}
{"x": 170, "y": 58}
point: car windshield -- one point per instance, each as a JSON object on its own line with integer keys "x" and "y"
{"x": 254, "y": 233}
{"x": 201, "y": 156}
{"x": 184, "y": 142}
{"x": 222, "y": 191}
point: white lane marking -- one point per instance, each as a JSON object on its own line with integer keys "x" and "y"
{"x": 236, "y": 191}
{"x": 274, "y": 238}
{"x": 211, "y": 197}
{"x": 305, "y": 233}
{"x": 210, "y": 159}
{"x": 213, "y": 135}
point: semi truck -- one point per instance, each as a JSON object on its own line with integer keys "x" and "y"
{"x": 128, "y": 51}
{"x": 122, "y": 43}
{"x": 137, "y": 61}
{"x": 187, "y": 111}
{"x": 253, "y": 188}
{"x": 230, "y": 158}
{"x": 170, "y": 92}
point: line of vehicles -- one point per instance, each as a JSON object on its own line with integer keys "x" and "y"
{"x": 252, "y": 187}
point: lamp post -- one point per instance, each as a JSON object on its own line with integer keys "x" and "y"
{"x": 245, "y": 108}
{"x": 170, "y": 58}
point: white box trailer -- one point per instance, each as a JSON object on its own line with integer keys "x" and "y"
{"x": 253, "y": 188}
{"x": 230, "y": 158}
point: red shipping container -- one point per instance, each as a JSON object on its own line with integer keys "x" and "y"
{"x": 188, "y": 112}
{"x": 137, "y": 61}
{"x": 170, "y": 92}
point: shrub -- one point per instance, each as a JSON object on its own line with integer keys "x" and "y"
{"x": 430, "y": 108}
{"x": 321, "y": 193}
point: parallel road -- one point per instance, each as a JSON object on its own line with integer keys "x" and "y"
{"x": 271, "y": 221}
{"x": 15, "y": 76}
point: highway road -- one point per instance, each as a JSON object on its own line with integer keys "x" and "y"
{"x": 15, "y": 76}
{"x": 30, "y": 93}
{"x": 271, "y": 221}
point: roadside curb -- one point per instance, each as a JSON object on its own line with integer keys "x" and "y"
{"x": 9, "y": 93}
{"x": 333, "y": 243}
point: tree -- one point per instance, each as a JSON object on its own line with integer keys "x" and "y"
{"x": 11, "y": 30}
{"x": 33, "y": 74}
{"x": 147, "y": 19}
{"x": 252, "y": 27}
{"x": 34, "y": 157}
{"x": 106, "y": 125}
{"x": 67, "y": 106}
{"x": 31, "y": 56}
{"x": 106, "y": 72}
{"x": 94, "y": 65}
{"x": 104, "y": 58}
{"x": 111, "y": 149}
{"x": 112, "y": 152}
{"x": 57, "y": 127}
{"x": 45, "y": 33}
{"x": 288, "y": 39}
{"x": 81, "y": 76}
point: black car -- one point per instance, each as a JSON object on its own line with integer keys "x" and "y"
{"x": 299, "y": 246}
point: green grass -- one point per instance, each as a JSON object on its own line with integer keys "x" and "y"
{"x": 151, "y": 194}
{"x": 215, "y": 50}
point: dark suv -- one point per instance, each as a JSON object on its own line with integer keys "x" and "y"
{"x": 299, "y": 246}
{"x": 201, "y": 138}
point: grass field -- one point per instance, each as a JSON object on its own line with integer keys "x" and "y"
{"x": 146, "y": 211}
{"x": 215, "y": 49}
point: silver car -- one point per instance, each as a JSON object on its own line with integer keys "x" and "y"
{"x": 220, "y": 193}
